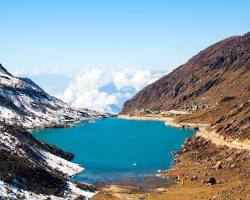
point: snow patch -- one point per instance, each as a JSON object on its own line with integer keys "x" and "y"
{"x": 61, "y": 164}
{"x": 8, "y": 191}
{"x": 76, "y": 190}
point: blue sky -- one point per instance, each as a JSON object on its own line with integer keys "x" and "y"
{"x": 73, "y": 35}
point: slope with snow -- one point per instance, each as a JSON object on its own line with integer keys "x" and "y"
{"x": 30, "y": 169}
{"x": 25, "y": 103}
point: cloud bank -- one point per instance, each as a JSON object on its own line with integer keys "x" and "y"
{"x": 107, "y": 90}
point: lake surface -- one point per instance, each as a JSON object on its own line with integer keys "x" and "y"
{"x": 114, "y": 149}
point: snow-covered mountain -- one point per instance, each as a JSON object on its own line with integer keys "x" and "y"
{"x": 23, "y": 102}
{"x": 30, "y": 169}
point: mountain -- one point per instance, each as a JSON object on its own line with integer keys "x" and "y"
{"x": 30, "y": 169}
{"x": 214, "y": 86}
{"x": 23, "y": 102}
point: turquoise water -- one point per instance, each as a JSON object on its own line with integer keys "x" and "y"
{"x": 115, "y": 149}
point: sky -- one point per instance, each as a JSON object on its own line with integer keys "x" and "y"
{"x": 59, "y": 43}
{"x": 69, "y": 36}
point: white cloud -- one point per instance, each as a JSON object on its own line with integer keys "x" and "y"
{"x": 107, "y": 90}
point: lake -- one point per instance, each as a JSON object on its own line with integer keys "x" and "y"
{"x": 114, "y": 149}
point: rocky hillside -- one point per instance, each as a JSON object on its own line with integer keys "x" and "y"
{"x": 25, "y": 103}
{"x": 30, "y": 169}
{"x": 214, "y": 86}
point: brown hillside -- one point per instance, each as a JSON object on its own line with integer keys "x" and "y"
{"x": 215, "y": 84}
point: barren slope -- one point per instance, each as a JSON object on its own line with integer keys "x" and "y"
{"x": 214, "y": 85}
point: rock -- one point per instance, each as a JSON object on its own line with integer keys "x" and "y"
{"x": 216, "y": 196}
{"x": 80, "y": 198}
{"x": 211, "y": 181}
{"x": 192, "y": 178}
{"x": 218, "y": 165}
{"x": 232, "y": 165}
{"x": 86, "y": 187}
{"x": 176, "y": 89}
{"x": 162, "y": 190}
{"x": 58, "y": 152}
{"x": 178, "y": 178}
{"x": 177, "y": 160}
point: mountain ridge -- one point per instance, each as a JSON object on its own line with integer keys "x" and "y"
{"x": 213, "y": 86}
{"x": 24, "y": 103}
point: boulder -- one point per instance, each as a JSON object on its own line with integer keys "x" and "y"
{"x": 218, "y": 165}
{"x": 211, "y": 181}
{"x": 192, "y": 178}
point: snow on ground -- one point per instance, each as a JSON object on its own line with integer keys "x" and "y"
{"x": 24, "y": 103}
{"x": 7, "y": 113}
{"x": 9, "y": 143}
{"x": 75, "y": 190}
{"x": 61, "y": 164}
{"x": 10, "y": 192}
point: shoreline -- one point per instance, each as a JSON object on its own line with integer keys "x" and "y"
{"x": 204, "y": 157}
{"x": 124, "y": 191}
{"x": 202, "y": 130}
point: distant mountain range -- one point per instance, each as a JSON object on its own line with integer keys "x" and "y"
{"x": 215, "y": 82}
